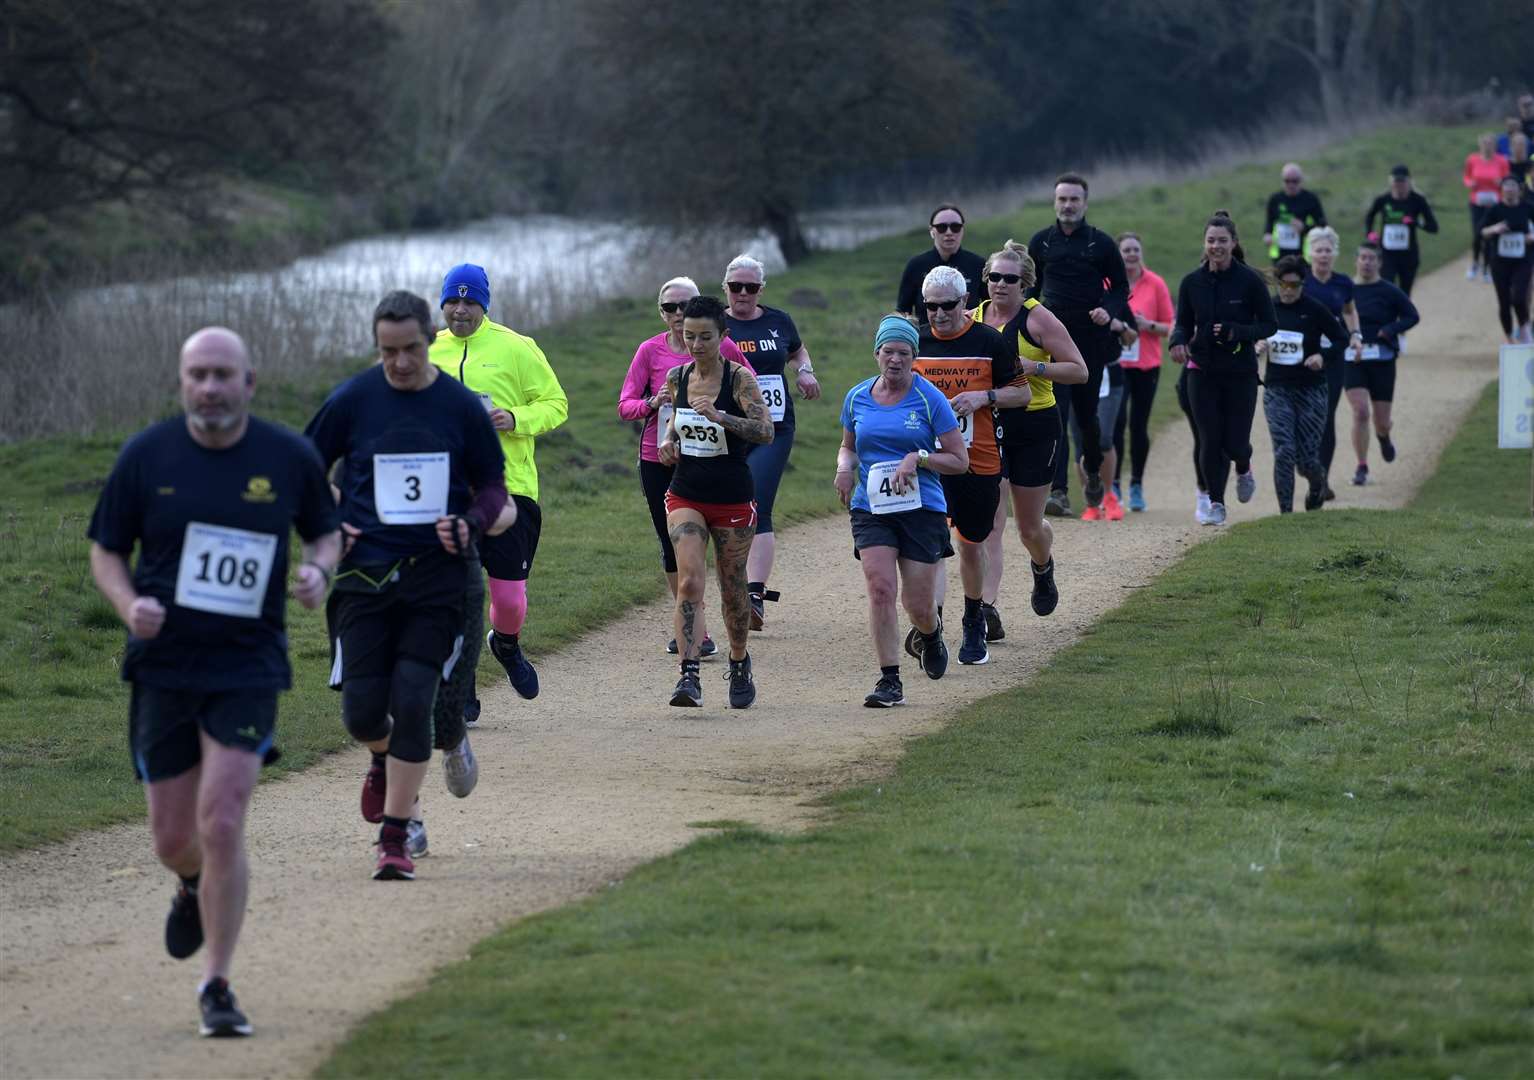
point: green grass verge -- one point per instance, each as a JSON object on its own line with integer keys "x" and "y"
{"x": 61, "y": 710}
{"x": 1273, "y": 817}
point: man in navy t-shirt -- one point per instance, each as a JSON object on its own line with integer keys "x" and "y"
{"x": 208, "y": 499}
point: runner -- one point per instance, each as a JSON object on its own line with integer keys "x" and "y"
{"x": 770, "y": 340}
{"x": 1384, "y": 314}
{"x": 1401, "y": 211}
{"x": 1081, "y": 280}
{"x": 208, "y": 498}
{"x": 946, "y": 227}
{"x": 898, "y": 430}
{"x": 1509, "y": 237}
{"x": 719, "y": 414}
{"x": 1110, "y": 400}
{"x": 1484, "y": 170}
{"x": 1292, "y": 212}
{"x": 1335, "y": 291}
{"x": 1223, "y": 309}
{"x": 422, "y": 475}
{"x": 1294, "y": 400}
{"x": 508, "y": 373}
{"x": 1151, "y": 302}
{"x": 975, "y": 368}
{"x": 1518, "y": 162}
{"x": 644, "y": 397}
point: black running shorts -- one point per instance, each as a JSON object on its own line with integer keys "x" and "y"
{"x": 972, "y": 502}
{"x": 918, "y": 535}
{"x": 419, "y": 615}
{"x": 509, "y": 556}
{"x": 163, "y": 726}
{"x": 1376, "y": 376}
{"x": 1032, "y": 441}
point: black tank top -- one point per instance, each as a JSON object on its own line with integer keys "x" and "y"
{"x": 725, "y": 478}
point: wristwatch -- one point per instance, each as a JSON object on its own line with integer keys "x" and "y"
{"x": 921, "y": 459}
{"x": 1040, "y": 367}
{"x": 990, "y": 397}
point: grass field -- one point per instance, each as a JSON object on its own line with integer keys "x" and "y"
{"x": 1275, "y": 816}
{"x": 62, "y": 709}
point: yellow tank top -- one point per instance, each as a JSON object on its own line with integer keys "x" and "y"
{"x": 1029, "y": 353}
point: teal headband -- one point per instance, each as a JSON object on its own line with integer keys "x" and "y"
{"x": 894, "y": 328}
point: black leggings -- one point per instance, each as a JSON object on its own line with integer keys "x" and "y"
{"x": 1139, "y": 394}
{"x": 1400, "y": 268}
{"x": 655, "y": 478}
{"x": 1099, "y": 346}
{"x": 1478, "y": 243}
{"x": 1511, "y": 280}
{"x": 1334, "y": 363}
{"x": 1187, "y": 410}
{"x": 1223, "y": 407}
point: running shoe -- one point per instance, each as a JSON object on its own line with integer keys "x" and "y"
{"x": 934, "y": 654}
{"x": 1113, "y": 510}
{"x": 1361, "y": 477}
{"x": 1472, "y": 273}
{"x": 1045, "y": 594}
{"x": 913, "y": 643}
{"x": 221, "y": 1015}
{"x": 183, "y": 926}
{"x": 415, "y": 838}
{"x": 1136, "y": 498}
{"x": 524, "y": 680}
{"x": 1216, "y": 514}
{"x": 994, "y": 631}
{"x": 1093, "y": 491}
{"x": 973, "y": 650}
{"x": 393, "y": 863}
{"x": 689, "y": 690}
{"x": 887, "y": 694}
{"x": 374, "y": 786}
{"x": 1328, "y": 495}
{"x": 1201, "y": 508}
{"x": 1246, "y": 485}
{"x": 471, "y": 712}
{"x": 742, "y": 686}
{"x": 1387, "y": 449}
{"x": 706, "y": 651}
{"x": 1091, "y": 513}
{"x": 1315, "y": 498}
{"x": 460, "y": 769}
{"x": 1058, "y": 504}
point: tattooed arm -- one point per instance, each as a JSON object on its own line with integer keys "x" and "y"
{"x": 756, "y": 425}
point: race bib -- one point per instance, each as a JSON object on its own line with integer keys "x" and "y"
{"x": 775, "y": 395}
{"x": 1286, "y": 234}
{"x": 700, "y": 437}
{"x": 1368, "y": 352}
{"x": 1287, "y": 347}
{"x": 882, "y": 498}
{"x": 223, "y": 570}
{"x": 966, "y": 428}
{"x": 1511, "y": 245}
{"x": 1485, "y": 198}
{"x": 662, "y": 424}
{"x": 484, "y": 399}
{"x": 1396, "y": 237}
{"x": 410, "y": 489}
{"x": 1130, "y": 354}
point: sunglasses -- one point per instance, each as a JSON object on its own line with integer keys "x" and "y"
{"x": 672, "y": 307}
{"x": 1287, "y": 283}
{"x": 1010, "y": 279}
{"x": 948, "y": 226}
{"x": 751, "y": 288}
{"x": 941, "y": 305}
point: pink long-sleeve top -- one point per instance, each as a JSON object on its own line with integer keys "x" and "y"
{"x": 1150, "y": 298}
{"x": 652, "y": 362}
{"x": 1484, "y": 178}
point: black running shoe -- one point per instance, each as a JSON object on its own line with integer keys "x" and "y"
{"x": 934, "y": 654}
{"x": 887, "y": 694}
{"x": 221, "y": 1016}
{"x": 1045, "y": 595}
{"x": 993, "y": 627}
{"x": 471, "y": 713}
{"x": 1315, "y": 499}
{"x": 1361, "y": 477}
{"x": 689, "y": 690}
{"x": 972, "y": 650}
{"x": 521, "y": 674}
{"x": 742, "y": 687}
{"x": 183, "y": 926}
{"x": 1387, "y": 449}
{"x": 1093, "y": 491}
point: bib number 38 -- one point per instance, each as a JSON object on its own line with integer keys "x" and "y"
{"x": 224, "y": 571}
{"x": 775, "y": 395}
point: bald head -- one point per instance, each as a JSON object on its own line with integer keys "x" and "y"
{"x": 217, "y": 384}
{"x": 217, "y": 342}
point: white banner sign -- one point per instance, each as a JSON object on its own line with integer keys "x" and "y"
{"x": 1515, "y": 398}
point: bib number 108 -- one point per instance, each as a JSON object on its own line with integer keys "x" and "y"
{"x": 228, "y": 570}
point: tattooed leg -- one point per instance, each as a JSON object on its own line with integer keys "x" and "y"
{"x": 689, "y": 538}
{"x": 731, "y": 549}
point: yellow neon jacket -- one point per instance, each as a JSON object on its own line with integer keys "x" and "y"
{"x": 512, "y": 369}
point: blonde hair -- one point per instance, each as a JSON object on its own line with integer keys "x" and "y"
{"x": 1323, "y": 232}
{"x": 677, "y": 283}
{"x": 1014, "y": 252}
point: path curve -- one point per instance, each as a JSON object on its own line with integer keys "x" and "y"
{"x": 595, "y": 776}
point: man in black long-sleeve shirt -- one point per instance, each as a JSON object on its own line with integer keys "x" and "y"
{"x": 1401, "y": 212}
{"x": 946, "y": 226}
{"x": 1081, "y": 280}
{"x": 1384, "y": 314}
{"x": 1292, "y": 213}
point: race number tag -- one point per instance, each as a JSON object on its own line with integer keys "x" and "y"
{"x": 775, "y": 395}
{"x": 966, "y": 428}
{"x": 1287, "y": 347}
{"x": 224, "y": 571}
{"x": 701, "y": 437}
{"x": 1368, "y": 352}
{"x": 484, "y": 399}
{"x": 1287, "y": 235}
{"x": 1104, "y": 387}
{"x": 882, "y": 498}
{"x": 1511, "y": 245}
{"x": 662, "y": 424}
{"x": 1396, "y": 237}
{"x": 1130, "y": 354}
{"x": 1486, "y": 198}
{"x": 410, "y": 489}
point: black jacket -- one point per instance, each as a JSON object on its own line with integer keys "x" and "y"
{"x": 1235, "y": 298}
{"x": 1072, "y": 269}
{"x": 972, "y": 266}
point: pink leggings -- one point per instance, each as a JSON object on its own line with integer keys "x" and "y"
{"x": 508, "y": 605}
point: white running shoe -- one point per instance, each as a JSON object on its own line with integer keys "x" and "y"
{"x": 1201, "y": 509}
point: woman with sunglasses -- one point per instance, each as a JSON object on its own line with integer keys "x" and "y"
{"x": 1294, "y": 400}
{"x": 1335, "y": 291}
{"x": 771, "y": 342}
{"x": 646, "y": 399}
{"x": 1151, "y": 303}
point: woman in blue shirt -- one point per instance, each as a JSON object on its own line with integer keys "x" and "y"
{"x": 898, "y": 432}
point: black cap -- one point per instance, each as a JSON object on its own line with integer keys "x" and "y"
{"x": 1400, "y": 172}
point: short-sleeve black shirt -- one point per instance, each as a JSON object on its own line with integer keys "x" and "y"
{"x": 767, "y": 342}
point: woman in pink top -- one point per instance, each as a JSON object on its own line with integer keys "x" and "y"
{"x": 1151, "y": 303}
{"x": 645, "y": 397}
{"x": 1484, "y": 171}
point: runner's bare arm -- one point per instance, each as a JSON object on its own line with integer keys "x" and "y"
{"x": 142, "y": 615}
{"x": 313, "y": 575}
{"x": 804, "y": 374}
{"x": 756, "y": 425}
{"x": 846, "y": 467}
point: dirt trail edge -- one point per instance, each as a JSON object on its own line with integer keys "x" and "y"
{"x": 596, "y": 775}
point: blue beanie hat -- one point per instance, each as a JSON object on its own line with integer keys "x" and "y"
{"x": 469, "y": 282}
{"x": 894, "y": 328}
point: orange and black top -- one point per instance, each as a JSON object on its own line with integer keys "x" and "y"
{"x": 979, "y": 358}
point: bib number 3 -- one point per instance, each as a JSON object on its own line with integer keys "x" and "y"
{"x": 224, "y": 571}
{"x": 410, "y": 489}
